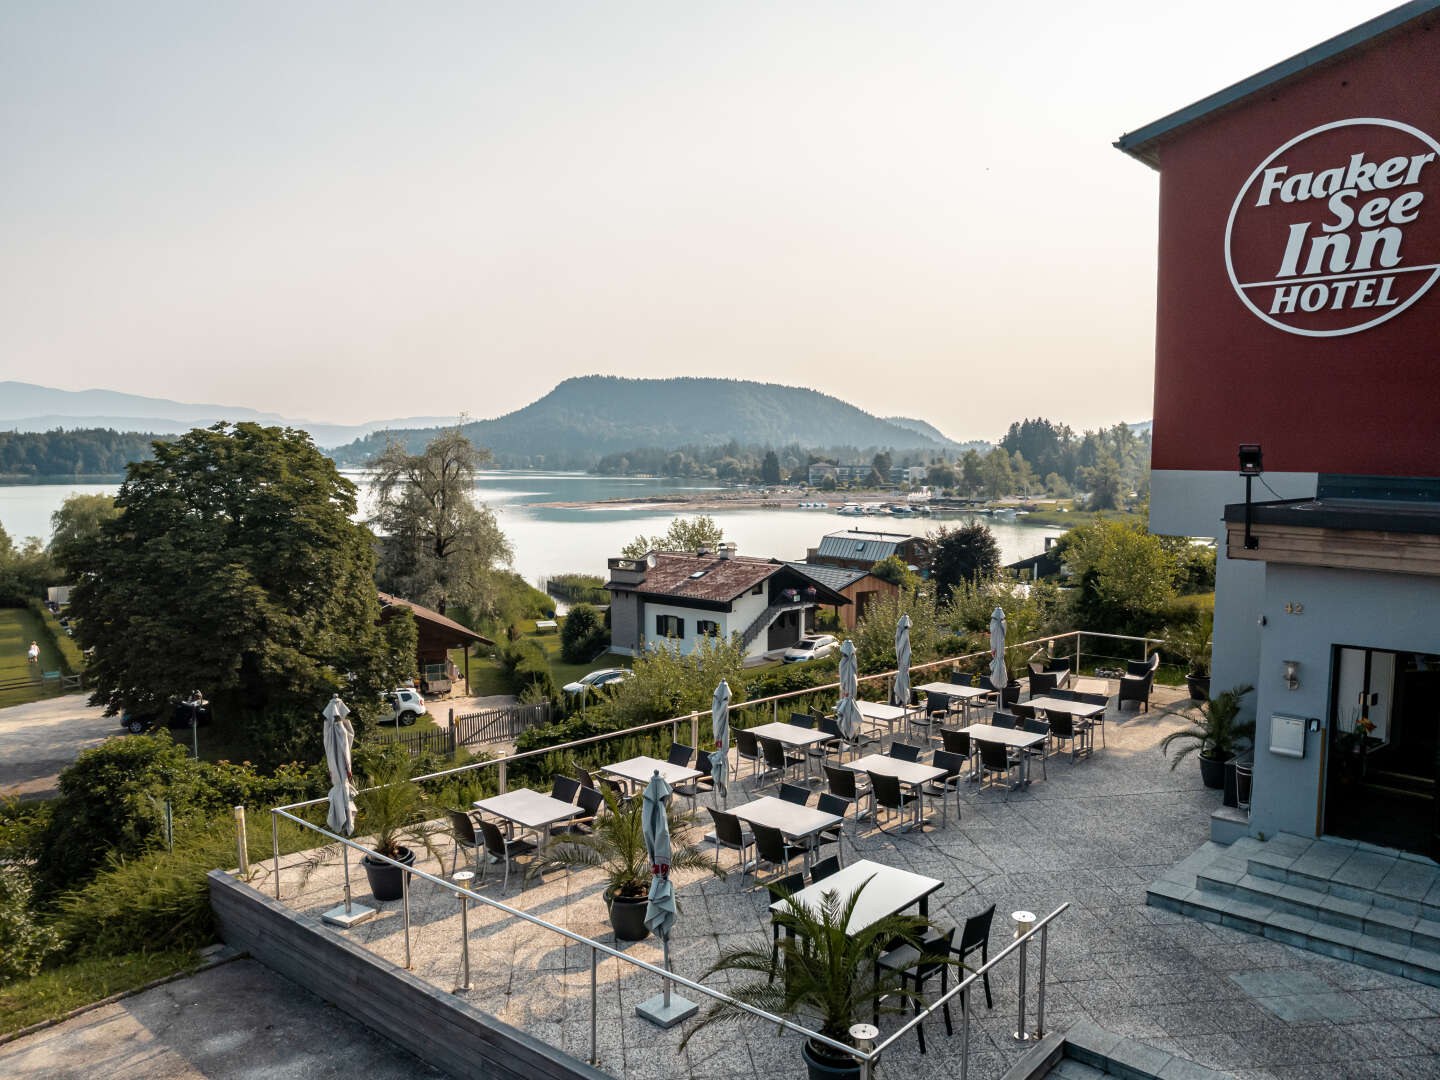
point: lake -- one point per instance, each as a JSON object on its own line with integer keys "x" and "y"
{"x": 551, "y": 541}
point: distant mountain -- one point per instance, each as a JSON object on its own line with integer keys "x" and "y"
{"x": 27, "y": 407}
{"x": 930, "y": 431}
{"x": 1142, "y": 427}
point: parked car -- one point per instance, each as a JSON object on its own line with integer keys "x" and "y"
{"x": 596, "y": 679}
{"x": 406, "y": 706}
{"x": 180, "y": 714}
{"x": 811, "y": 648}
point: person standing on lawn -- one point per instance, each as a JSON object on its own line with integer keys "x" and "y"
{"x": 34, "y": 654}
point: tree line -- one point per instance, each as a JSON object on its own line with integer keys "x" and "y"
{"x": 83, "y": 452}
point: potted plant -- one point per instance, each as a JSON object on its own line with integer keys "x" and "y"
{"x": 392, "y": 810}
{"x": 616, "y": 844}
{"x": 1215, "y": 736}
{"x": 1191, "y": 642}
{"x": 823, "y": 977}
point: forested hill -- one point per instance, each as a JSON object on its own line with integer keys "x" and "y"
{"x": 585, "y": 418}
{"x": 84, "y": 452}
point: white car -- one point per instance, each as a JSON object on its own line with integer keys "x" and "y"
{"x": 811, "y": 648}
{"x": 406, "y": 706}
{"x": 597, "y": 679}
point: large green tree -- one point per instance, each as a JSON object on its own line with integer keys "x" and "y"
{"x": 79, "y": 520}
{"x": 440, "y": 546}
{"x": 1125, "y": 575}
{"x": 24, "y": 570}
{"x": 684, "y": 534}
{"x": 236, "y": 568}
{"x": 967, "y": 553}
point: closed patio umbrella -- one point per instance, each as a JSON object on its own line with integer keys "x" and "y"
{"x": 663, "y": 1009}
{"x": 847, "y": 712}
{"x": 720, "y": 724}
{"x": 900, "y": 692}
{"x": 339, "y": 737}
{"x": 999, "y": 677}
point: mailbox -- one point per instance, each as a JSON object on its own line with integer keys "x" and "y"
{"x": 1287, "y": 735}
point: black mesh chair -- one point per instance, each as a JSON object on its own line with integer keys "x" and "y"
{"x": 772, "y": 848}
{"x": 591, "y": 802}
{"x": 919, "y": 966}
{"x": 584, "y": 776}
{"x": 502, "y": 850}
{"x": 1022, "y": 712}
{"x": 680, "y": 754}
{"x": 823, "y": 869}
{"x": 462, "y": 831}
{"x": 794, "y": 793}
{"x": 976, "y": 937}
{"x": 995, "y": 758}
{"x": 787, "y": 886}
{"x": 729, "y": 833}
{"x": 956, "y": 742}
{"x": 845, "y": 783}
{"x": 1138, "y": 680}
{"x": 1098, "y": 720}
{"x": 1037, "y": 727}
{"x": 904, "y": 752}
{"x": 564, "y": 789}
{"x": 747, "y": 748}
{"x": 800, "y": 719}
{"x": 949, "y": 783}
{"x": 1003, "y": 720}
{"x": 1062, "y": 728}
{"x": 888, "y": 796}
{"x": 827, "y": 803}
{"x": 778, "y": 760}
{"x": 616, "y": 791}
{"x": 705, "y": 782}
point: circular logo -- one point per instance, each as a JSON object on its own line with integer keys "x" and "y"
{"x": 1338, "y": 230}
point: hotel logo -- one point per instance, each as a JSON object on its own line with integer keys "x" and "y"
{"x": 1339, "y": 229}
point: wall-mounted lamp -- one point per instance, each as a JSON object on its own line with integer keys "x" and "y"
{"x": 1251, "y": 466}
{"x": 1292, "y": 674}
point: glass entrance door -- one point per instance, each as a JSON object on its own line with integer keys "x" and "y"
{"x": 1381, "y": 765}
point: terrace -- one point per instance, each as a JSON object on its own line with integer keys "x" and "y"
{"x": 1153, "y": 987}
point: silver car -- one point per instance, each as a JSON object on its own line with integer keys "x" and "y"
{"x": 812, "y": 647}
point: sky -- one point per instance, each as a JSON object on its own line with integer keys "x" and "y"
{"x": 352, "y": 211}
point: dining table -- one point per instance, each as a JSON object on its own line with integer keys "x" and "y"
{"x": 794, "y": 737}
{"x": 796, "y": 822}
{"x": 887, "y": 890}
{"x": 638, "y": 770}
{"x": 914, "y": 774}
{"x": 533, "y": 811}
{"x": 1015, "y": 738}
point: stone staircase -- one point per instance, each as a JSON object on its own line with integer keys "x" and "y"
{"x": 762, "y": 622}
{"x": 1372, "y": 906}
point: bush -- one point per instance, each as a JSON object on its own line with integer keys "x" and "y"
{"x": 526, "y": 664}
{"x": 582, "y": 636}
{"x": 25, "y": 942}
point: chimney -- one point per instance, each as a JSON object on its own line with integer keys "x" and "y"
{"x": 727, "y": 551}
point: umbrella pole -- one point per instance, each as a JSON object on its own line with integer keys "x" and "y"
{"x": 347, "y": 914}
{"x": 667, "y": 968}
{"x": 665, "y": 1009}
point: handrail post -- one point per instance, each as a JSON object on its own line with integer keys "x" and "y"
{"x": 1021, "y": 1035}
{"x": 242, "y": 842}
{"x": 504, "y": 777}
{"x": 695, "y": 731}
{"x": 1077, "y": 653}
{"x": 275, "y": 845}
{"x": 965, "y": 1034}
{"x": 594, "y": 1005}
{"x": 1040, "y": 1003}
{"x": 405, "y": 888}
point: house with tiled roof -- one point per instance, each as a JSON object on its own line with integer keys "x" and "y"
{"x": 436, "y": 635}
{"x": 676, "y": 599}
{"x": 861, "y": 549}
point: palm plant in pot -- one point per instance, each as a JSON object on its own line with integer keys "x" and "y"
{"x": 1216, "y": 737}
{"x": 824, "y": 977}
{"x": 392, "y": 810}
{"x": 1191, "y": 642}
{"x": 615, "y": 845}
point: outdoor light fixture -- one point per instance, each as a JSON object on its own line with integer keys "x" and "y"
{"x": 1292, "y": 674}
{"x": 1251, "y": 466}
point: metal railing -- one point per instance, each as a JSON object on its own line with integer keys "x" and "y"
{"x": 866, "y": 1056}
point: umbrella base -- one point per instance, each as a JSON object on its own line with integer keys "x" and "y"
{"x": 338, "y": 916}
{"x": 666, "y": 1016}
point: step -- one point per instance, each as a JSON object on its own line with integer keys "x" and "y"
{"x": 1323, "y": 907}
{"x": 1317, "y": 876}
{"x": 1244, "y": 911}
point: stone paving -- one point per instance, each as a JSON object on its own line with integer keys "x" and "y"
{"x": 1093, "y": 834}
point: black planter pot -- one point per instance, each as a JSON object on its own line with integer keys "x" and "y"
{"x": 1199, "y": 687}
{"x": 1011, "y": 694}
{"x": 822, "y": 1066}
{"x": 627, "y": 916}
{"x": 385, "y": 883}
{"x": 1212, "y": 771}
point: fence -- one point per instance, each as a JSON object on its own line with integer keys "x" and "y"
{"x": 486, "y": 727}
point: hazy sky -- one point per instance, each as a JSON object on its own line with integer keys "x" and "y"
{"x": 351, "y": 211}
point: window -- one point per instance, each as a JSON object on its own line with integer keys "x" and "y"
{"x": 758, "y": 589}
{"x": 704, "y": 627}
{"x": 669, "y": 626}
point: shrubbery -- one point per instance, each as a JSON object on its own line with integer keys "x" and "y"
{"x": 583, "y": 635}
{"x": 526, "y": 666}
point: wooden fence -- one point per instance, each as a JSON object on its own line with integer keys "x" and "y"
{"x": 488, "y": 727}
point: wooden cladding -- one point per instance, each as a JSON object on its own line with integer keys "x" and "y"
{"x": 1345, "y": 549}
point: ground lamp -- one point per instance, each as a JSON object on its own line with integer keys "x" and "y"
{"x": 1251, "y": 466}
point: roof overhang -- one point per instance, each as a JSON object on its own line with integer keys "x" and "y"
{"x": 1345, "y": 534}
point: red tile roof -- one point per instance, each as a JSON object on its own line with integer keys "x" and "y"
{"x": 723, "y": 579}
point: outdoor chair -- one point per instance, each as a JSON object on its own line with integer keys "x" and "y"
{"x": 845, "y": 783}
{"x": 586, "y": 779}
{"x": 1003, "y": 720}
{"x": 591, "y": 802}
{"x": 925, "y": 723}
{"x": 1037, "y": 727}
{"x": 1023, "y": 712}
{"x": 789, "y": 885}
{"x": 832, "y": 804}
{"x": 949, "y": 783}
{"x": 1062, "y": 726}
{"x": 938, "y": 706}
{"x": 1135, "y": 685}
{"x": 995, "y": 758}
{"x": 705, "y": 782}
{"x": 747, "y": 748}
{"x": 888, "y": 796}
{"x": 680, "y": 754}
{"x": 729, "y": 833}
{"x": 800, "y": 719}
{"x": 462, "y": 831}
{"x": 933, "y": 958}
{"x": 820, "y": 752}
{"x": 616, "y": 791}
{"x": 1098, "y": 720}
{"x": 1064, "y": 695}
{"x": 904, "y": 752}
{"x": 502, "y": 850}
{"x": 956, "y": 742}
{"x": 976, "y": 936}
{"x": 1044, "y": 683}
{"x": 564, "y": 789}
{"x": 778, "y": 760}
{"x": 794, "y": 793}
{"x": 772, "y": 848}
{"x": 824, "y": 869}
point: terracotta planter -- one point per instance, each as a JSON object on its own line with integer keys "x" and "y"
{"x": 1212, "y": 771}
{"x": 385, "y": 883}
{"x": 627, "y": 916}
{"x": 821, "y": 1066}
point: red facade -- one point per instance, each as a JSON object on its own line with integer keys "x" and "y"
{"x": 1334, "y": 362}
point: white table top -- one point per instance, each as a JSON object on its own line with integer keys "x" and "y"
{"x": 790, "y": 818}
{"x": 790, "y": 734}
{"x": 1008, "y": 736}
{"x": 951, "y": 689}
{"x": 888, "y": 892}
{"x": 529, "y": 809}
{"x": 546, "y": 624}
{"x": 878, "y": 710}
{"x": 1074, "y": 708}
{"x": 907, "y": 772}
{"x": 640, "y": 769}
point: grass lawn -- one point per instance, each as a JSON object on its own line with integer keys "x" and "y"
{"x": 55, "y": 992}
{"x": 19, "y": 627}
{"x": 486, "y": 678}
